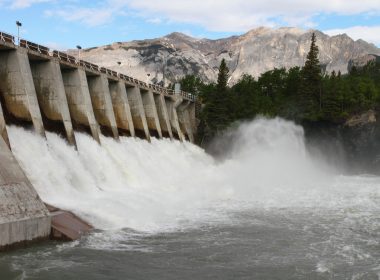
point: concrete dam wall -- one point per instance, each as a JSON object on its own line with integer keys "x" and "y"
{"x": 53, "y": 91}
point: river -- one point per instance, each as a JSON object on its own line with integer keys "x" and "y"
{"x": 266, "y": 209}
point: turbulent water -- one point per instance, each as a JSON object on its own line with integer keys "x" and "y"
{"x": 267, "y": 209}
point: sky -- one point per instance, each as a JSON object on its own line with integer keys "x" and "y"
{"x": 66, "y": 24}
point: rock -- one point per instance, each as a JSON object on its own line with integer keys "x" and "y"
{"x": 362, "y": 119}
{"x": 254, "y": 52}
{"x": 362, "y": 61}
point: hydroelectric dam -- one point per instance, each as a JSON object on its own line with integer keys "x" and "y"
{"x": 50, "y": 90}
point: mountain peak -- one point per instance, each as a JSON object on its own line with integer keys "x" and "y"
{"x": 257, "y": 51}
{"x": 281, "y": 30}
{"x": 180, "y": 36}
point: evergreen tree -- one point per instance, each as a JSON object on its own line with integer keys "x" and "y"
{"x": 353, "y": 71}
{"x": 339, "y": 75}
{"x": 312, "y": 66}
{"x": 191, "y": 83}
{"x": 310, "y": 99}
{"x": 223, "y": 76}
{"x": 218, "y": 112}
{"x": 245, "y": 98}
{"x": 332, "y": 101}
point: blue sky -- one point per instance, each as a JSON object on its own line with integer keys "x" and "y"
{"x": 65, "y": 24}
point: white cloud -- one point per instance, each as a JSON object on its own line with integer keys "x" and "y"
{"x": 88, "y": 16}
{"x": 367, "y": 33}
{"x": 155, "y": 20}
{"x": 219, "y": 15}
{"x": 21, "y": 4}
{"x": 241, "y": 15}
{"x": 223, "y": 15}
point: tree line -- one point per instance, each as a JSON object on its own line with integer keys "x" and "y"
{"x": 300, "y": 93}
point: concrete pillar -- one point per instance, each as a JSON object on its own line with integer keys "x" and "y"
{"x": 23, "y": 216}
{"x": 172, "y": 106}
{"x": 184, "y": 119}
{"x": 151, "y": 112}
{"x": 137, "y": 110}
{"x": 51, "y": 94}
{"x": 121, "y": 107}
{"x": 3, "y": 128}
{"x": 101, "y": 103}
{"x": 17, "y": 87}
{"x": 163, "y": 114}
{"x": 79, "y": 100}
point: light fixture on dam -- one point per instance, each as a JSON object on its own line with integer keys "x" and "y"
{"x": 79, "y": 48}
{"x": 19, "y": 24}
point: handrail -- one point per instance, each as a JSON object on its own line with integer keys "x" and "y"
{"x": 63, "y": 56}
{"x": 103, "y": 70}
{"x": 8, "y": 38}
{"x": 34, "y": 47}
{"x": 89, "y": 65}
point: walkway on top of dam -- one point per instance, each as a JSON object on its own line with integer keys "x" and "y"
{"x": 50, "y": 88}
{"x": 39, "y": 52}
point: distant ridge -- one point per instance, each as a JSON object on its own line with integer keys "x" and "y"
{"x": 254, "y": 52}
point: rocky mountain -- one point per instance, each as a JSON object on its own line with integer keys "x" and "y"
{"x": 255, "y": 52}
{"x": 362, "y": 61}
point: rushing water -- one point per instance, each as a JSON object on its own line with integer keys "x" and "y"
{"x": 166, "y": 210}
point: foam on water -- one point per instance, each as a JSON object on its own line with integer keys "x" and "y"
{"x": 167, "y": 185}
{"x": 299, "y": 210}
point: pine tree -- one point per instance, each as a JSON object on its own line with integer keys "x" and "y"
{"x": 310, "y": 87}
{"x": 332, "y": 101}
{"x": 312, "y": 66}
{"x": 218, "y": 110}
{"x": 223, "y": 76}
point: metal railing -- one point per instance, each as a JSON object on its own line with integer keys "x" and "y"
{"x": 89, "y": 66}
{"x": 5, "y": 37}
{"x": 34, "y": 47}
{"x": 63, "y": 56}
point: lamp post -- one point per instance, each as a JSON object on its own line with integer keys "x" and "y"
{"x": 79, "y": 48}
{"x": 118, "y": 68}
{"x": 19, "y": 24}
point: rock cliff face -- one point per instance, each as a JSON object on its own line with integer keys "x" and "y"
{"x": 255, "y": 52}
{"x": 353, "y": 146}
{"x": 362, "y": 61}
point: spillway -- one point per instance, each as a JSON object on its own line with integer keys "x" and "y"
{"x": 52, "y": 91}
{"x": 265, "y": 203}
{"x": 132, "y": 183}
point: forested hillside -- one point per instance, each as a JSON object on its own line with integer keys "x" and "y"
{"x": 299, "y": 94}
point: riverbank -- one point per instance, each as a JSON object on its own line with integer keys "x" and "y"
{"x": 354, "y": 144}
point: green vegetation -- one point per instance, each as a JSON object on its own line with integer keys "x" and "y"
{"x": 299, "y": 94}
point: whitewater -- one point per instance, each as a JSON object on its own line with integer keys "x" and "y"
{"x": 267, "y": 192}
